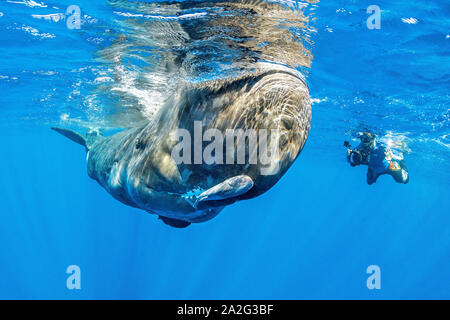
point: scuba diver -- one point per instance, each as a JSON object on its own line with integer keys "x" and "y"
{"x": 378, "y": 157}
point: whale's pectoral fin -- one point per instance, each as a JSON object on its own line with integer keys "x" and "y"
{"x": 175, "y": 222}
{"x": 226, "y": 190}
{"x": 72, "y": 135}
{"x": 87, "y": 141}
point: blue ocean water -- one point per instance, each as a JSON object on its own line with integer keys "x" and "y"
{"x": 312, "y": 236}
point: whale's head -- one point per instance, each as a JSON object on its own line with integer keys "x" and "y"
{"x": 254, "y": 125}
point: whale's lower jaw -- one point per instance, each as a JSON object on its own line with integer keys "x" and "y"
{"x": 176, "y": 206}
{"x": 194, "y": 217}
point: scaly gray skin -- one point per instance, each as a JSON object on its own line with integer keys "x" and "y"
{"x": 135, "y": 166}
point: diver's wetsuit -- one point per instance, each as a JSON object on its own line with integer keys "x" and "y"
{"x": 379, "y": 160}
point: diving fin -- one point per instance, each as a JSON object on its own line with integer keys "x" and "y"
{"x": 175, "y": 222}
{"x": 230, "y": 188}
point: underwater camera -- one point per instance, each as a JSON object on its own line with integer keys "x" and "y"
{"x": 355, "y": 158}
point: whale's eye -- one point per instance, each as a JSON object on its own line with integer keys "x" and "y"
{"x": 139, "y": 145}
